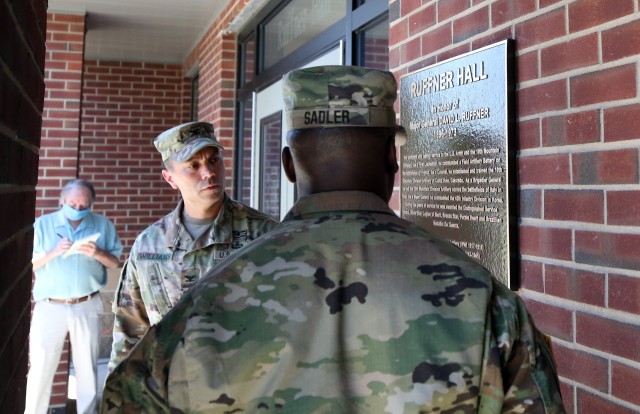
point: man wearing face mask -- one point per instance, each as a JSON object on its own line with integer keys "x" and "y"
{"x": 72, "y": 249}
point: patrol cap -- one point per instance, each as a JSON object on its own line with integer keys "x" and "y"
{"x": 181, "y": 142}
{"x": 339, "y": 96}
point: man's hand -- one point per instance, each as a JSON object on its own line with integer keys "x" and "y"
{"x": 63, "y": 245}
{"x": 89, "y": 249}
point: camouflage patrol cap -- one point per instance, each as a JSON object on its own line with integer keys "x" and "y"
{"x": 337, "y": 96}
{"x": 181, "y": 142}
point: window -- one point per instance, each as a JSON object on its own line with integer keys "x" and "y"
{"x": 193, "y": 112}
{"x": 286, "y": 35}
{"x": 297, "y": 23}
{"x": 271, "y": 135}
{"x": 243, "y": 152}
{"x": 373, "y": 46}
{"x": 248, "y": 59}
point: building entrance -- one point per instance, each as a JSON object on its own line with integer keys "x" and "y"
{"x": 271, "y": 190}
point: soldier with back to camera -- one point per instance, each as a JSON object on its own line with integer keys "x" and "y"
{"x": 344, "y": 307}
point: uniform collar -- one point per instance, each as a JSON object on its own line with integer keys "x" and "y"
{"x": 338, "y": 201}
{"x": 177, "y": 236}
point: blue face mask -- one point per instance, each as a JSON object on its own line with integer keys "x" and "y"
{"x": 73, "y": 214}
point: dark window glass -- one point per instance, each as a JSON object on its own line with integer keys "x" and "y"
{"x": 271, "y": 137}
{"x": 374, "y": 46}
{"x": 296, "y": 24}
{"x": 193, "y": 112}
{"x": 243, "y": 157}
{"x": 248, "y": 61}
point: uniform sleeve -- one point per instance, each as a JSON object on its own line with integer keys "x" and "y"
{"x": 131, "y": 320}
{"x": 520, "y": 368}
{"x": 138, "y": 384}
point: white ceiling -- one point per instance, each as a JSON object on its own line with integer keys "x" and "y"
{"x": 159, "y": 31}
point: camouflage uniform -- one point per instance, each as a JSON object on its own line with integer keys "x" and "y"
{"x": 165, "y": 261}
{"x": 343, "y": 308}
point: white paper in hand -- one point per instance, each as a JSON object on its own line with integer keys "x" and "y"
{"x": 74, "y": 247}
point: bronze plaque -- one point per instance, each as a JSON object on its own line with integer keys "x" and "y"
{"x": 456, "y": 178}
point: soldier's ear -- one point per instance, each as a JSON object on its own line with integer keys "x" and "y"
{"x": 287, "y": 165}
{"x": 168, "y": 177}
{"x": 392, "y": 159}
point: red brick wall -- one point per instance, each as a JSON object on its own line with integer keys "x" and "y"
{"x": 61, "y": 116}
{"x": 100, "y": 120}
{"x": 215, "y": 56}
{"x": 579, "y": 185}
{"x": 22, "y": 53}
{"x": 124, "y": 107}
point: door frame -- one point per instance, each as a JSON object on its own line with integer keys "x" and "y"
{"x": 266, "y": 103}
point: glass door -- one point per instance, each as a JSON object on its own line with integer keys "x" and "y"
{"x": 271, "y": 190}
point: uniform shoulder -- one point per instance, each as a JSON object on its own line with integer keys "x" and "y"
{"x": 430, "y": 240}
{"x": 510, "y": 317}
{"x": 250, "y": 212}
{"x": 505, "y": 297}
{"x": 155, "y": 229}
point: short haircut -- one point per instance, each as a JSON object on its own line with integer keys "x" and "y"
{"x": 79, "y": 183}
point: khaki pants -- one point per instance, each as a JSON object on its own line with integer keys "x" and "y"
{"x": 49, "y": 326}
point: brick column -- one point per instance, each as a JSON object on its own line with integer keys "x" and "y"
{"x": 62, "y": 106}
